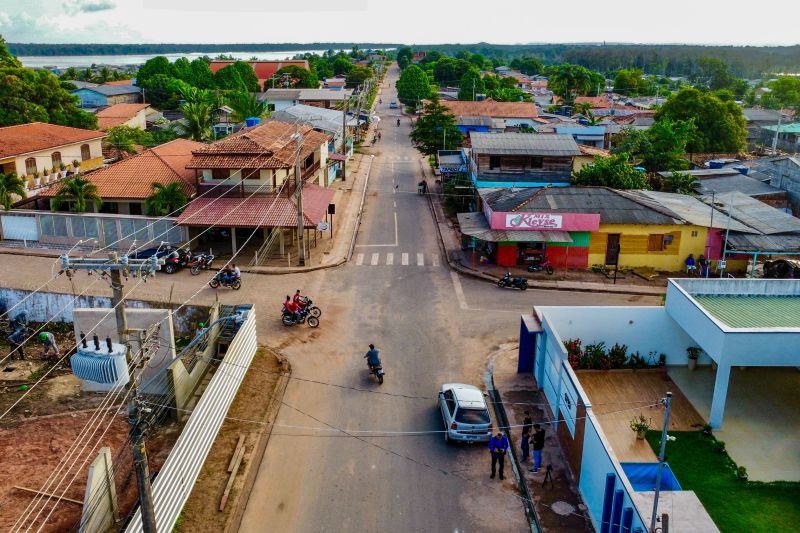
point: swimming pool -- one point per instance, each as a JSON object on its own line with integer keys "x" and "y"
{"x": 642, "y": 476}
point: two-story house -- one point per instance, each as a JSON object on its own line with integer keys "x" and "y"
{"x": 280, "y": 99}
{"x": 521, "y": 159}
{"x": 488, "y": 115}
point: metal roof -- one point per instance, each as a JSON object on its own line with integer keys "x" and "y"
{"x": 523, "y": 144}
{"x": 751, "y": 212}
{"x": 329, "y": 120}
{"x": 689, "y": 209}
{"x": 305, "y": 94}
{"x": 753, "y": 311}
{"x": 475, "y": 225}
{"x": 779, "y": 243}
{"x": 785, "y": 128}
{"x": 737, "y": 182}
{"x": 587, "y": 131}
{"x": 112, "y": 90}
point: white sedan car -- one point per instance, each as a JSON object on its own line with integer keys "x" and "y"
{"x": 464, "y": 413}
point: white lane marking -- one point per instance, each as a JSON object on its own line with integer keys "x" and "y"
{"x": 396, "y": 239}
{"x": 435, "y": 260}
{"x": 462, "y": 300}
{"x": 390, "y": 259}
{"x": 360, "y": 259}
{"x": 404, "y": 259}
{"x": 374, "y": 260}
{"x": 420, "y": 260}
{"x": 394, "y": 203}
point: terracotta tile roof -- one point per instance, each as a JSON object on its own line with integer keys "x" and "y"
{"x": 264, "y": 69}
{"x": 258, "y": 211}
{"x": 35, "y": 136}
{"x": 597, "y": 102}
{"x": 592, "y": 150}
{"x": 268, "y": 145}
{"x": 133, "y": 177}
{"x": 119, "y": 82}
{"x": 117, "y": 114}
{"x": 490, "y": 108}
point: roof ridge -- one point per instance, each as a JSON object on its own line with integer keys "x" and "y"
{"x": 652, "y": 204}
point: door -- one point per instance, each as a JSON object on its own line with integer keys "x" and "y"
{"x": 612, "y": 249}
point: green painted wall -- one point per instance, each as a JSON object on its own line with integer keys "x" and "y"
{"x": 579, "y": 239}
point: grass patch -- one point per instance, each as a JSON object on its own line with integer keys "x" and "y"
{"x": 734, "y": 505}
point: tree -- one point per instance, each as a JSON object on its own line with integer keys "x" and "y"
{"x": 530, "y": 66}
{"x": 471, "y": 85}
{"x": 582, "y": 108}
{"x": 358, "y": 75}
{"x": 720, "y": 126}
{"x": 246, "y": 105}
{"x": 197, "y": 111}
{"x": 166, "y": 199}
{"x": 153, "y": 67}
{"x": 125, "y": 138}
{"x": 448, "y": 70}
{"x": 11, "y": 186}
{"x": 569, "y": 81}
{"x": 78, "y": 190}
{"x": 341, "y": 65}
{"x": 630, "y": 82}
{"x": 660, "y": 148}
{"x": 436, "y": 129}
{"x": 413, "y": 86}
{"x": 681, "y": 183}
{"x": 404, "y": 57}
{"x": 784, "y": 93}
{"x": 298, "y": 77}
{"x": 237, "y": 75}
{"x": 506, "y": 94}
{"x": 7, "y": 59}
{"x": 161, "y": 91}
{"x": 613, "y": 171}
{"x": 478, "y": 60}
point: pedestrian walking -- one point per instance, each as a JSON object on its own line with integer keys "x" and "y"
{"x": 538, "y": 446}
{"x": 16, "y": 341}
{"x": 498, "y": 446}
{"x": 49, "y": 342}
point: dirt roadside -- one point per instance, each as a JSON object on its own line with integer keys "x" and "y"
{"x": 258, "y": 399}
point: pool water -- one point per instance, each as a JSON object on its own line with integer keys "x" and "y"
{"x": 642, "y": 476}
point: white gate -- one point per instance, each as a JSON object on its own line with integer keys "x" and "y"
{"x": 19, "y": 227}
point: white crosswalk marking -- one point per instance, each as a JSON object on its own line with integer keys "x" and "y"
{"x": 360, "y": 259}
{"x": 374, "y": 260}
{"x": 420, "y": 260}
{"x": 436, "y": 260}
{"x": 404, "y": 259}
{"x": 390, "y": 259}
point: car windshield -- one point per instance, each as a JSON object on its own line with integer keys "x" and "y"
{"x": 472, "y": 416}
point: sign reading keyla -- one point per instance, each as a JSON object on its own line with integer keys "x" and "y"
{"x": 533, "y": 221}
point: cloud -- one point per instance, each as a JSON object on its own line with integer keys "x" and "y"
{"x": 73, "y": 7}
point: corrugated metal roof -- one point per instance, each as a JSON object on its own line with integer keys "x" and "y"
{"x": 690, "y": 209}
{"x": 737, "y": 182}
{"x": 475, "y": 225}
{"x": 745, "y": 242}
{"x": 523, "y": 144}
{"x": 753, "y": 311}
{"x": 112, "y": 90}
{"x": 755, "y": 214}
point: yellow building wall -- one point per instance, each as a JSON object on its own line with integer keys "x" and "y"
{"x": 633, "y": 245}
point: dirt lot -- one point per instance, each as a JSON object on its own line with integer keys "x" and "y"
{"x": 201, "y": 512}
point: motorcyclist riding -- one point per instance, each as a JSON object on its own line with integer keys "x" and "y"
{"x": 292, "y": 307}
{"x": 398, "y": 122}
{"x": 298, "y": 299}
{"x": 373, "y": 356}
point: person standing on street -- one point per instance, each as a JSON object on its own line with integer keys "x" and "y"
{"x": 527, "y": 423}
{"x": 498, "y": 445}
{"x": 538, "y": 446}
{"x": 524, "y": 445}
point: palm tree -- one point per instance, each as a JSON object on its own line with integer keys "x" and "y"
{"x": 197, "y": 111}
{"x": 11, "y": 185}
{"x": 78, "y": 190}
{"x": 165, "y": 199}
{"x": 246, "y": 105}
{"x": 582, "y": 108}
{"x": 683, "y": 183}
{"x": 592, "y": 119}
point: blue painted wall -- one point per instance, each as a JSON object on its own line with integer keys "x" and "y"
{"x": 90, "y": 98}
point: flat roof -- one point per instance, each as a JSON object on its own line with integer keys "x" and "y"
{"x": 760, "y": 311}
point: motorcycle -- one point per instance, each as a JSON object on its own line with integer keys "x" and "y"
{"x": 514, "y": 283}
{"x": 201, "y": 262}
{"x": 398, "y": 122}
{"x": 290, "y": 319}
{"x": 377, "y": 371}
{"x": 176, "y": 260}
{"x": 234, "y": 284}
{"x": 540, "y": 265}
{"x": 312, "y": 309}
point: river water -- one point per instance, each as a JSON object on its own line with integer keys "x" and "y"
{"x": 63, "y": 62}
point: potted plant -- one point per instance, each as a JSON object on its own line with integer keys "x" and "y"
{"x": 693, "y": 352}
{"x": 640, "y": 425}
{"x": 63, "y": 168}
{"x": 76, "y": 166}
{"x": 54, "y": 173}
{"x": 719, "y": 446}
{"x": 36, "y": 180}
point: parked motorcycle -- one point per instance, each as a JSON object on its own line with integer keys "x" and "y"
{"x": 234, "y": 284}
{"x": 377, "y": 371}
{"x": 540, "y": 265}
{"x": 513, "y": 283}
{"x": 201, "y": 262}
{"x": 177, "y": 259}
{"x": 290, "y": 319}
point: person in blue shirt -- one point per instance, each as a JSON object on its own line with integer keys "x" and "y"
{"x": 373, "y": 356}
{"x": 17, "y": 340}
{"x": 498, "y": 445}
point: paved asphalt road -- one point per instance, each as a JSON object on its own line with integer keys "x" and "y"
{"x": 431, "y": 326}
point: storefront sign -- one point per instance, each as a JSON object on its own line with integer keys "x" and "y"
{"x": 533, "y": 221}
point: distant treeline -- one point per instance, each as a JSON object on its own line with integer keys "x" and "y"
{"x": 34, "y": 49}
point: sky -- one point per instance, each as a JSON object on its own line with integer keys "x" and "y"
{"x": 400, "y": 21}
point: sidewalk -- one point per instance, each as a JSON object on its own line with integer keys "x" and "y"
{"x": 558, "y": 505}
{"x": 465, "y": 262}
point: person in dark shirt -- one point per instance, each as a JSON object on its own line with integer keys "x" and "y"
{"x": 524, "y": 442}
{"x": 498, "y": 445}
{"x": 538, "y": 445}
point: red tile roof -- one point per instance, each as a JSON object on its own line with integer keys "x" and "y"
{"x": 258, "y": 211}
{"x": 35, "y": 136}
{"x": 597, "y": 102}
{"x": 117, "y": 114}
{"x": 268, "y": 145}
{"x": 264, "y": 69}
{"x": 133, "y": 177}
{"x": 490, "y": 108}
{"x": 119, "y": 82}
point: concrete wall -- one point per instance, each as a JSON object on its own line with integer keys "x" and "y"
{"x": 100, "y": 509}
{"x": 634, "y": 249}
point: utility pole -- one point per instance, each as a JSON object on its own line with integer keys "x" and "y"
{"x": 298, "y": 180}
{"x": 708, "y": 238}
{"x": 668, "y": 403}
{"x": 344, "y": 136}
{"x": 775, "y": 138}
{"x": 115, "y": 267}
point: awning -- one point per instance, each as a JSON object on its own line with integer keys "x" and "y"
{"x": 744, "y": 242}
{"x": 337, "y": 157}
{"x": 475, "y": 225}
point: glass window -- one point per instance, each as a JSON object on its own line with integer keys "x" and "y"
{"x": 30, "y": 165}
{"x": 110, "y": 234}
{"x": 450, "y": 401}
{"x": 54, "y": 226}
{"x": 134, "y": 229}
{"x": 251, "y": 173}
{"x": 56, "y": 160}
{"x": 472, "y": 416}
{"x": 220, "y": 173}
{"x": 86, "y": 153}
{"x": 84, "y": 227}
{"x": 135, "y": 208}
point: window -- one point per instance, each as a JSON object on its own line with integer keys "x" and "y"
{"x": 84, "y": 227}
{"x": 494, "y": 162}
{"x": 54, "y": 225}
{"x": 135, "y": 208}
{"x": 109, "y": 207}
{"x": 30, "y": 165}
{"x": 86, "y": 153}
{"x": 220, "y": 173}
{"x": 309, "y": 161}
{"x": 450, "y": 401}
{"x": 655, "y": 242}
{"x": 537, "y": 162}
{"x": 251, "y": 173}
{"x": 56, "y": 160}
{"x": 472, "y": 416}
